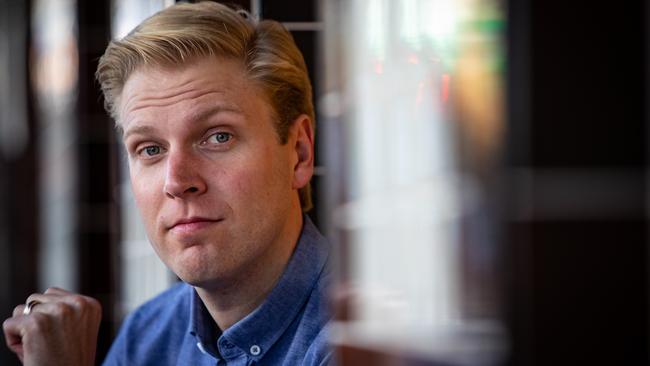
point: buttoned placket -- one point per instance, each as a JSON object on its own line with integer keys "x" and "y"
{"x": 227, "y": 349}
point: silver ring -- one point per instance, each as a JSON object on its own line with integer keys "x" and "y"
{"x": 29, "y": 306}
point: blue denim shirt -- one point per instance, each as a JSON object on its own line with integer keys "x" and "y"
{"x": 288, "y": 328}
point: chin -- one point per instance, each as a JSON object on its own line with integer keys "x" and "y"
{"x": 194, "y": 279}
{"x": 207, "y": 283}
{"x": 201, "y": 276}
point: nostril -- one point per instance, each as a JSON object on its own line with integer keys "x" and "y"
{"x": 192, "y": 189}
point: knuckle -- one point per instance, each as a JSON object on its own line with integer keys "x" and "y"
{"x": 94, "y": 303}
{"x": 18, "y": 310}
{"x": 53, "y": 289}
{"x": 62, "y": 309}
{"x": 5, "y": 324}
{"x": 91, "y": 306}
{"x": 78, "y": 301}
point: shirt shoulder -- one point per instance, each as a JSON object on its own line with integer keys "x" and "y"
{"x": 320, "y": 352}
{"x": 168, "y": 308}
{"x": 165, "y": 304}
{"x": 310, "y": 342}
{"x": 147, "y": 332}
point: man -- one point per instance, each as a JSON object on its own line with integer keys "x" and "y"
{"x": 216, "y": 116}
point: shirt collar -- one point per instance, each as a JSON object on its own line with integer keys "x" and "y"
{"x": 264, "y": 326}
{"x": 201, "y": 324}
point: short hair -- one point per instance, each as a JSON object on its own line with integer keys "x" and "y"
{"x": 184, "y": 32}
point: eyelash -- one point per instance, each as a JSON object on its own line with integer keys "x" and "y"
{"x": 143, "y": 151}
{"x": 227, "y": 134}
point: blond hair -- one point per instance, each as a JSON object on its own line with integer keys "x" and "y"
{"x": 184, "y": 32}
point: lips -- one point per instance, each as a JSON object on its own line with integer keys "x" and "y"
{"x": 192, "y": 225}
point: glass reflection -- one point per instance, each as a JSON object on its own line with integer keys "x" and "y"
{"x": 413, "y": 113}
{"x": 54, "y": 79}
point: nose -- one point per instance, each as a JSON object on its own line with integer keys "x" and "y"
{"x": 183, "y": 177}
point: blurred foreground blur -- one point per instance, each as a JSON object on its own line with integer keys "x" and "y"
{"x": 482, "y": 173}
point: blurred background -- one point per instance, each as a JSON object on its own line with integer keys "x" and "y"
{"x": 482, "y": 172}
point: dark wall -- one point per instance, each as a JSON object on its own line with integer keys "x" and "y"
{"x": 577, "y": 159}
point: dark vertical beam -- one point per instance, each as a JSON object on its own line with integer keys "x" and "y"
{"x": 516, "y": 276}
{"x": 97, "y": 225}
{"x": 587, "y": 84}
{"x": 645, "y": 62}
{"x": 18, "y": 172}
{"x": 578, "y": 289}
{"x": 517, "y": 139}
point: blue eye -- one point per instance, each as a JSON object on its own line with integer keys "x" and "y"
{"x": 220, "y": 137}
{"x": 151, "y": 150}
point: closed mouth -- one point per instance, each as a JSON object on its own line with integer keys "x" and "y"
{"x": 192, "y": 224}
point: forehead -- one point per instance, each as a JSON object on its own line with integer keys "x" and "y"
{"x": 187, "y": 88}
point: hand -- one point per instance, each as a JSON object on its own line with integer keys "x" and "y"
{"x": 61, "y": 329}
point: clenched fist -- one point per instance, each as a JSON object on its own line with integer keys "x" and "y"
{"x": 61, "y": 329}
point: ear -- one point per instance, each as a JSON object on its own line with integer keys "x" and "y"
{"x": 302, "y": 139}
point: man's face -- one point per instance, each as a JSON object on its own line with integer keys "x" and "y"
{"x": 217, "y": 191}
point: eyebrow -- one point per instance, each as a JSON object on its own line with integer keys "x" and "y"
{"x": 200, "y": 115}
{"x": 203, "y": 114}
{"x": 143, "y": 130}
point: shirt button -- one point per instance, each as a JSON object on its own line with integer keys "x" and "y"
{"x": 255, "y": 350}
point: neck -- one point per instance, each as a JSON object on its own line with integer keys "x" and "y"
{"x": 230, "y": 303}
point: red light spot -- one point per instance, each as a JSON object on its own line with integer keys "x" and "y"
{"x": 413, "y": 59}
{"x": 379, "y": 67}
{"x": 444, "y": 90}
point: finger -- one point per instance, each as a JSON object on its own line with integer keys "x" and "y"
{"x": 54, "y": 294}
{"x": 18, "y": 310}
{"x": 42, "y": 298}
{"x": 56, "y": 310}
{"x": 51, "y": 294}
{"x": 66, "y": 307}
{"x": 14, "y": 329}
{"x": 56, "y": 291}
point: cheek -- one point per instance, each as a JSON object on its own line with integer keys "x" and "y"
{"x": 237, "y": 184}
{"x": 249, "y": 182}
{"x": 145, "y": 194}
{"x": 270, "y": 180}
